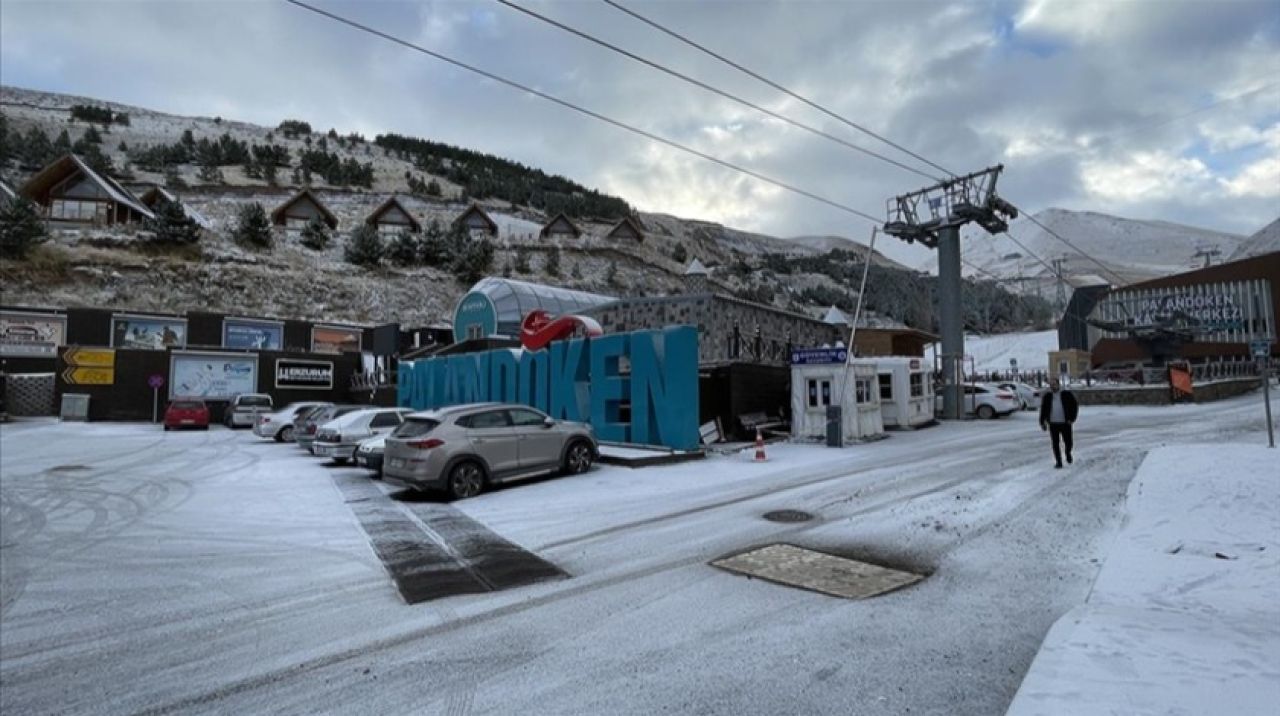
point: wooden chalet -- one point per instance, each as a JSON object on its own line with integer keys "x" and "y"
{"x": 297, "y": 212}
{"x": 476, "y": 221}
{"x": 155, "y": 194}
{"x": 627, "y": 229}
{"x": 391, "y": 218}
{"x": 69, "y": 191}
{"x": 560, "y": 226}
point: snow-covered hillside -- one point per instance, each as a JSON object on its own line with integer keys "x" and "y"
{"x": 1265, "y": 241}
{"x": 989, "y": 353}
{"x": 1129, "y": 249}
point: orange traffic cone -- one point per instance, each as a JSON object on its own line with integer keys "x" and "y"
{"x": 760, "y": 456}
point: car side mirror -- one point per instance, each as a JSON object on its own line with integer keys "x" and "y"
{"x": 549, "y": 423}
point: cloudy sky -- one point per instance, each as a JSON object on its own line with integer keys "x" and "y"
{"x": 1152, "y": 109}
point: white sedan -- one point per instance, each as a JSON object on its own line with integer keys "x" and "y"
{"x": 986, "y": 401}
{"x": 279, "y": 425}
{"x": 1028, "y": 396}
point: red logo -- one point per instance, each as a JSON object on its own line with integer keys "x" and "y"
{"x": 539, "y": 328}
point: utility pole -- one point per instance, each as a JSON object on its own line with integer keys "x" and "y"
{"x": 933, "y": 216}
{"x": 1062, "y": 283}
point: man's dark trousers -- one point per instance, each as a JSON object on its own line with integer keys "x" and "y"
{"x": 1063, "y": 431}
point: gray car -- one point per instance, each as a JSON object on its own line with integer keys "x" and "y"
{"x": 304, "y": 432}
{"x": 466, "y": 448}
{"x": 339, "y": 438}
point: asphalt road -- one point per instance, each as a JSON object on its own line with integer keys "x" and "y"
{"x": 213, "y": 573}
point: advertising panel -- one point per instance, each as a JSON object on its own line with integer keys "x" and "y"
{"x": 148, "y": 332}
{"x": 304, "y": 374}
{"x": 252, "y": 335}
{"x": 335, "y": 339}
{"x": 212, "y": 376}
{"x": 31, "y": 334}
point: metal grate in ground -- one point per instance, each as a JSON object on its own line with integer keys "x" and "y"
{"x": 817, "y": 571}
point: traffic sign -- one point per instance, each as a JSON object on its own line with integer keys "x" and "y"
{"x": 89, "y": 376}
{"x": 156, "y": 381}
{"x": 90, "y": 357}
{"x": 1260, "y": 347}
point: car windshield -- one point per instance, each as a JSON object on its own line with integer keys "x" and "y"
{"x": 255, "y": 401}
{"x": 187, "y": 405}
{"x": 415, "y": 427}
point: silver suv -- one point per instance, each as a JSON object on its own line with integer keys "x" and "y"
{"x": 465, "y": 448}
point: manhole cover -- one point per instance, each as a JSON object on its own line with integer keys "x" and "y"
{"x": 787, "y": 516}
{"x": 817, "y": 571}
{"x": 69, "y": 468}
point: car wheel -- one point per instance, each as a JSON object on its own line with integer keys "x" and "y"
{"x": 286, "y": 434}
{"x": 340, "y": 461}
{"x": 166, "y": 428}
{"x": 465, "y": 480}
{"x": 577, "y": 459}
{"x": 986, "y": 412}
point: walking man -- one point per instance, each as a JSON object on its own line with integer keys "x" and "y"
{"x": 1058, "y": 411}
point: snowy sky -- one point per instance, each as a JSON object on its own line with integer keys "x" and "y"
{"x": 1147, "y": 109}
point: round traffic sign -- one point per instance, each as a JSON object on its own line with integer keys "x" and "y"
{"x": 156, "y": 380}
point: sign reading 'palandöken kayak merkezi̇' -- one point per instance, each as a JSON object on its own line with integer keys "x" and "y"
{"x": 304, "y": 374}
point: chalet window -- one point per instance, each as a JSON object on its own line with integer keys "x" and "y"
{"x": 886, "y": 386}
{"x": 73, "y": 210}
{"x": 917, "y": 385}
{"x": 390, "y": 231}
{"x": 293, "y": 225}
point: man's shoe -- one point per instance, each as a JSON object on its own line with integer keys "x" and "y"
{"x": 1058, "y": 466}
{"x": 1068, "y": 458}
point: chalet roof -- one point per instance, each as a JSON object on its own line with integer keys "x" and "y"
{"x": 277, "y": 216}
{"x": 475, "y": 209}
{"x": 152, "y": 196}
{"x": 392, "y": 203}
{"x": 557, "y": 221}
{"x": 696, "y": 269}
{"x": 63, "y": 167}
{"x": 7, "y": 192}
{"x": 836, "y": 316}
{"x": 621, "y": 228}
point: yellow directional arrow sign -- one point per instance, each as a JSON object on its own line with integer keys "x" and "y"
{"x": 90, "y": 357}
{"x": 89, "y": 376}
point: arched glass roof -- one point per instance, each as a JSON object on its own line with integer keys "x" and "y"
{"x": 514, "y": 299}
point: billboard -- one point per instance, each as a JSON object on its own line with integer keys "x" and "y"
{"x": 212, "y": 376}
{"x": 304, "y": 374}
{"x": 148, "y": 332}
{"x": 335, "y": 339}
{"x": 31, "y": 334}
{"x": 252, "y": 335}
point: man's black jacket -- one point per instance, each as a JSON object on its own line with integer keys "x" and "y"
{"x": 1069, "y": 406}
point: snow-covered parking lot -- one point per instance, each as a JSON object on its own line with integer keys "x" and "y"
{"x": 153, "y": 572}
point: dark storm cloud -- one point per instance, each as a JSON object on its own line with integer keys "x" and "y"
{"x": 1075, "y": 98}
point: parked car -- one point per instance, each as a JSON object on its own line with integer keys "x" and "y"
{"x": 339, "y": 437}
{"x": 369, "y": 453}
{"x": 244, "y": 409}
{"x": 1028, "y": 396}
{"x": 280, "y": 424}
{"x": 186, "y": 414}
{"x": 304, "y": 432}
{"x": 986, "y": 401}
{"x": 466, "y": 448}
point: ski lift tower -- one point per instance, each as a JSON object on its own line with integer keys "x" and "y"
{"x": 933, "y": 216}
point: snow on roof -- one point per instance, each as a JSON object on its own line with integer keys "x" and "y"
{"x": 836, "y": 316}
{"x": 696, "y": 268}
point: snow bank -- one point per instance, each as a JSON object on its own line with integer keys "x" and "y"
{"x": 1185, "y": 615}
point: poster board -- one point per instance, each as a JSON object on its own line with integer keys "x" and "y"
{"x": 148, "y": 332}
{"x": 31, "y": 334}
{"x": 336, "y": 339}
{"x": 296, "y": 374}
{"x": 212, "y": 376}
{"x": 252, "y": 334}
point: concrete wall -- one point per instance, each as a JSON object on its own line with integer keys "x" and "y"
{"x": 1163, "y": 395}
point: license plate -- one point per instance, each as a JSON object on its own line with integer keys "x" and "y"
{"x": 395, "y": 462}
{"x": 361, "y": 461}
{"x": 188, "y": 421}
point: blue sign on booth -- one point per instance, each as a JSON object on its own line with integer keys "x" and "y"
{"x": 578, "y": 379}
{"x": 819, "y": 356}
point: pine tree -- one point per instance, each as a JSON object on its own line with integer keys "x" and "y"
{"x": 210, "y": 174}
{"x": 252, "y": 227}
{"x": 680, "y": 254}
{"x": 5, "y": 150}
{"x": 434, "y": 249}
{"x": 36, "y": 149}
{"x": 403, "y": 249}
{"x": 63, "y": 143}
{"x": 433, "y": 188}
{"x": 474, "y": 261}
{"x": 364, "y": 247}
{"x": 172, "y": 225}
{"x": 172, "y": 178}
{"x": 522, "y": 260}
{"x": 91, "y": 135}
{"x": 315, "y": 235}
{"x": 122, "y": 146}
{"x": 20, "y": 228}
{"x": 553, "y": 261}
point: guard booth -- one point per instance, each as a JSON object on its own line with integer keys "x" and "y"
{"x": 905, "y": 390}
{"x": 819, "y": 381}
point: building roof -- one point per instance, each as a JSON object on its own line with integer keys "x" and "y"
{"x": 155, "y": 193}
{"x": 696, "y": 268}
{"x": 61, "y": 168}
{"x": 475, "y": 209}
{"x": 836, "y": 316}
{"x": 560, "y": 224}
{"x": 626, "y": 228}
{"x": 277, "y": 216}
{"x": 513, "y": 299}
{"x": 393, "y": 203}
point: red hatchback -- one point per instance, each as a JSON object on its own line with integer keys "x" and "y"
{"x": 186, "y": 414}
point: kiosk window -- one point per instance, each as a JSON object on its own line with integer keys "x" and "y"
{"x": 886, "y": 386}
{"x": 819, "y": 392}
{"x": 917, "y": 385}
{"x": 862, "y": 390}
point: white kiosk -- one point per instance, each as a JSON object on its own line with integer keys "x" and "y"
{"x": 818, "y": 380}
{"x": 905, "y": 389}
